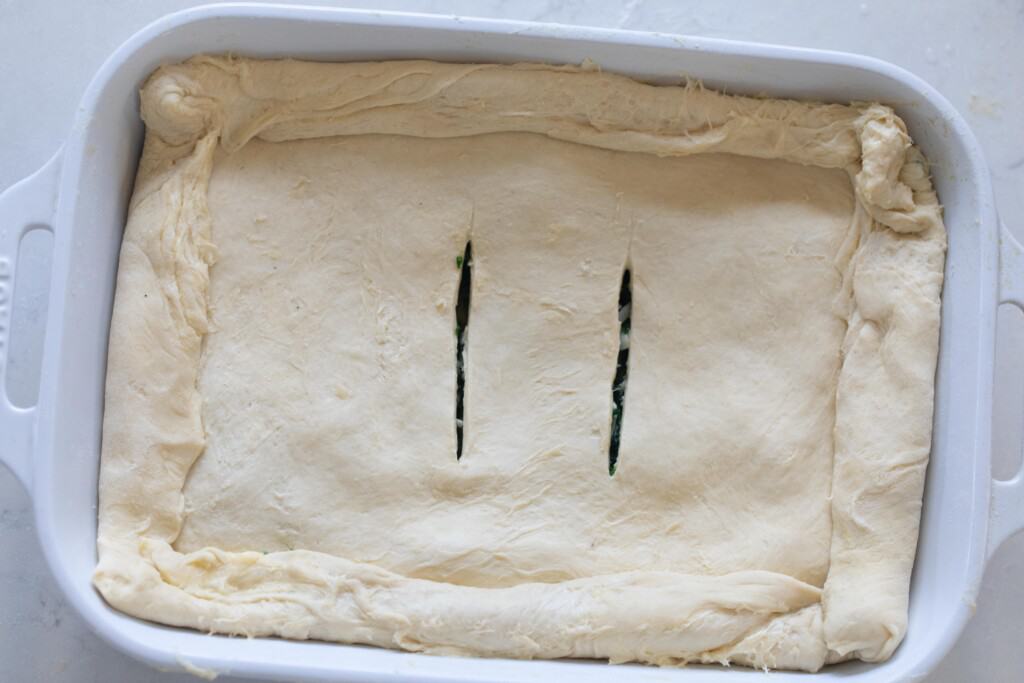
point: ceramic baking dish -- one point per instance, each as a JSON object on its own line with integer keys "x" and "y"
{"x": 81, "y": 196}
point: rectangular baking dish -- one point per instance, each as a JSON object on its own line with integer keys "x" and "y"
{"x": 82, "y": 193}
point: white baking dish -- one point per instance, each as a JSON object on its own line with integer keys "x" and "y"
{"x": 82, "y": 193}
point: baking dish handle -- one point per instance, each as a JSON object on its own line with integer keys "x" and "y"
{"x": 1007, "y": 513}
{"x": 27, "y": 205}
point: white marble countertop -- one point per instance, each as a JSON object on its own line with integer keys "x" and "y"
{"x": 973, "y": 52}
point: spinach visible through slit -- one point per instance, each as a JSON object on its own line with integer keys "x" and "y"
{"x": 621, "y": 370}
{"x": 465, "y": 263}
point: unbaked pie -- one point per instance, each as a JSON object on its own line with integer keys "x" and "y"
{"x": 520, "y": 361}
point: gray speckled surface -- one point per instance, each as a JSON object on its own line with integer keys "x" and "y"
{"x": 972, "y": 52}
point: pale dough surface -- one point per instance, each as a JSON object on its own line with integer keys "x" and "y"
{"x": 279, "y": 442}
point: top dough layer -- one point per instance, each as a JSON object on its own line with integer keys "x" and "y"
{"x": 779, "y": 406}
{"x": 328, "y": 377}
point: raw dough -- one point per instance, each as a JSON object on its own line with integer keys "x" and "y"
{"x": 279, "y": 440}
